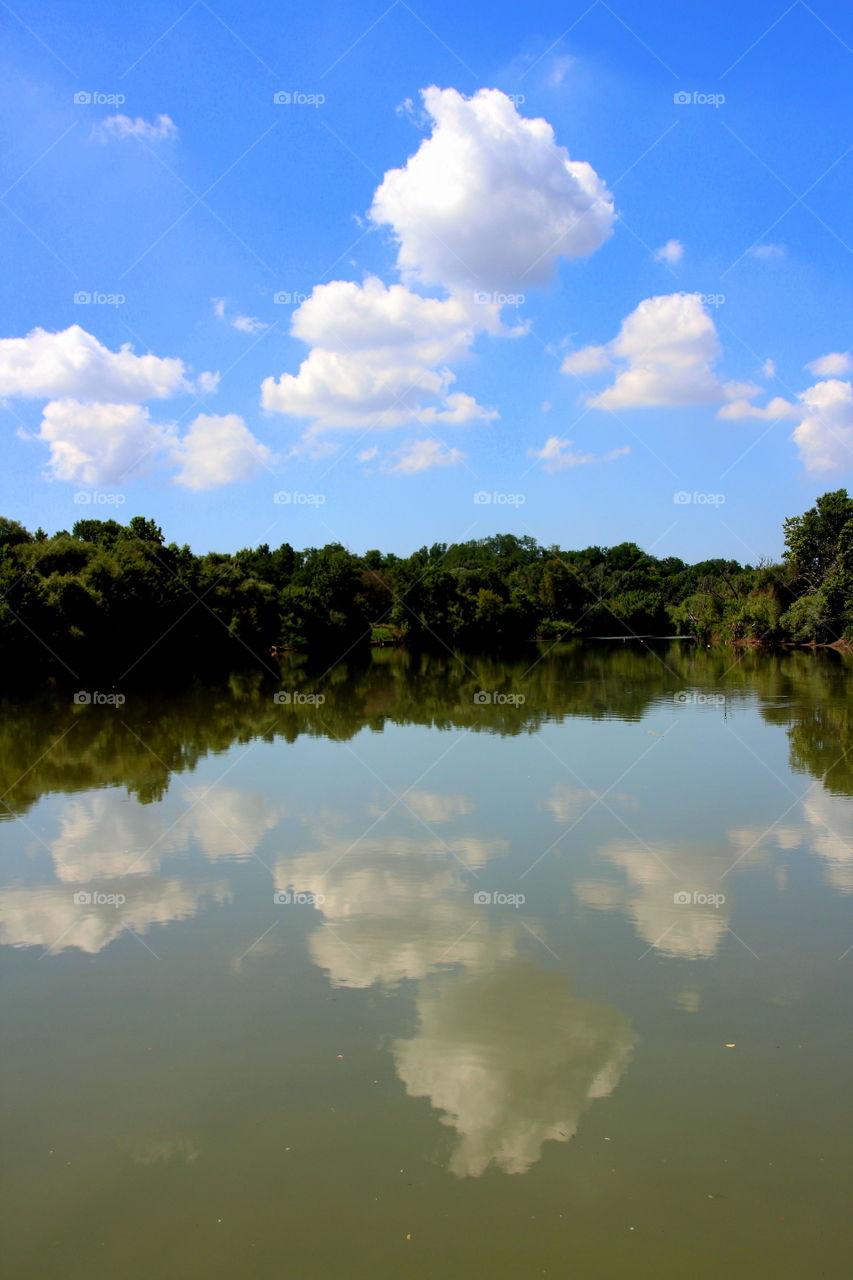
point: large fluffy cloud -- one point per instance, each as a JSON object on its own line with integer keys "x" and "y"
{"x": 98, "y": 431}
{"x": 653, "y": 878}
{"x": 379, "y": 357}
{"x": 487, "y": 204}
{"x": 74, "y": 363}
{"x": 49, "y": 917}
{"x": 106, "y": 834}
{"x": 665, "y": 354}
{"x": 112, "y": 444}
{"x": 218, "y": 450}
{"x": 397, "y": 907}
{"x": 96, "y": 444}
{"x": 490, "y": 200}
{"x": 512, "y": 1058}
{"x": 825, "y": 435}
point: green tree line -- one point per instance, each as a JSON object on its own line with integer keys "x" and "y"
{"x": 107, "y": 596}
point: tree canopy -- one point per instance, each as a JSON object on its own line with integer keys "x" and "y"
{"x": 113, "y": 597}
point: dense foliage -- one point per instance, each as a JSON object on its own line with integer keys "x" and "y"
{"x": 116, "y": 597}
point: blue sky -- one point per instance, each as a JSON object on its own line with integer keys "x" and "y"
{"x": 411, "y": 300}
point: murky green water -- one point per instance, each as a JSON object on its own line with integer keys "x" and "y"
{"x": 441, "y": 968}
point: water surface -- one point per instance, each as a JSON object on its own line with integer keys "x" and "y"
{"x": 433, "y": 966}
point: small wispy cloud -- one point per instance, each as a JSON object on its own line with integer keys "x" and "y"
{"x": 422, "y": 455}
{"x": 245, "y": 324}
{"x": 587, "y": 360}
{"x": 124, "y": 127}
{"x": 671, "y": 252}
{"x": 557, "y": 454}
{"x": 558, "y": 70}
{"x": 766, "y": 251}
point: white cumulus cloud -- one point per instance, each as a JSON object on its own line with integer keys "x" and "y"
{"x": 379, "y": 357}
{"x": 96, "y": 444}
{"x": 824, "y": 434}
{"x": 779, "y": 407}
{"x": 74, "y": 363}
{"x": 665, "y": 352}
{"x": 490, "y": 200}
{"x": 833, "y": 365}
{"x": 824, "y": 438}
{"x": 218, "y": 450}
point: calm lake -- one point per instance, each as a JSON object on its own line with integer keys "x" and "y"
{"x": 433, "y": 967}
